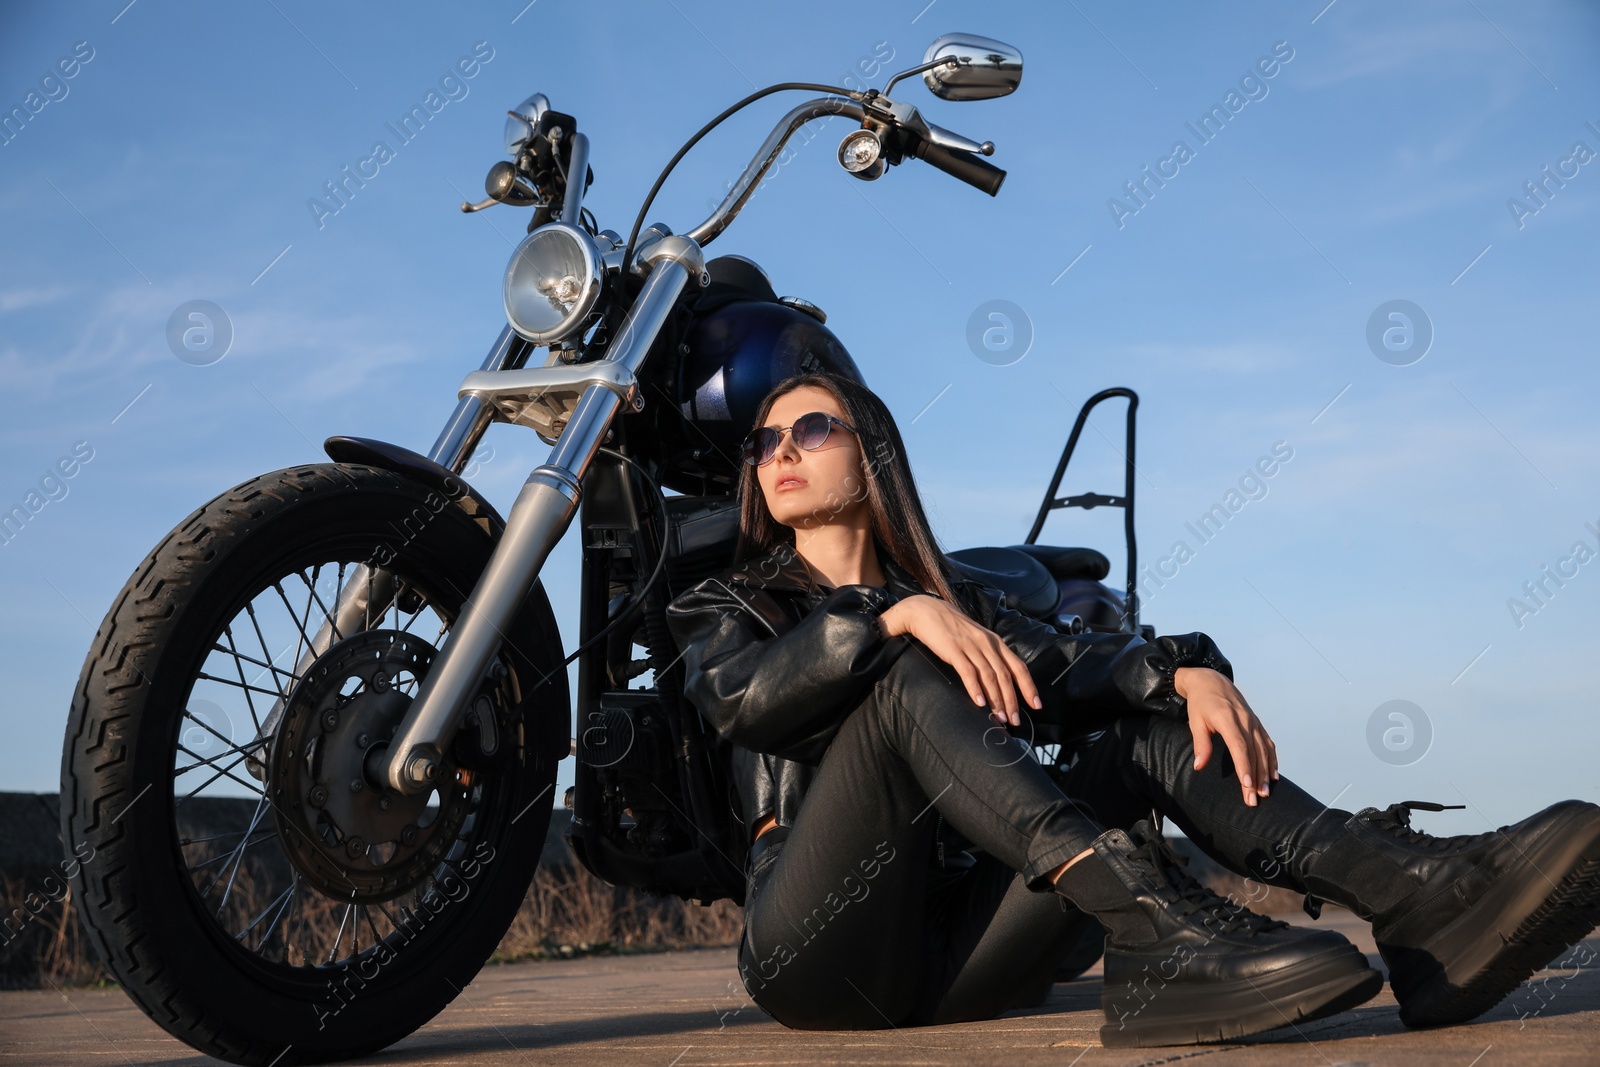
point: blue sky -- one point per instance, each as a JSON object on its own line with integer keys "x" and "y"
{"x": 1375, "y": 164}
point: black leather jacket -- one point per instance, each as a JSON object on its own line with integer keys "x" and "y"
{"x": 775, "y": 661}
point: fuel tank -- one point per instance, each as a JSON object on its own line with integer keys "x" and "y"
{"x": 740, "y": 342}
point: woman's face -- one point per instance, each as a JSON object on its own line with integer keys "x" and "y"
{"x": 805, "y": 490}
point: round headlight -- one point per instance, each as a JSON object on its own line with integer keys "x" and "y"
{"x": 552, "y": 283}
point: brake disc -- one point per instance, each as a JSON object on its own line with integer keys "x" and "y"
{"x": 351, "y": 840}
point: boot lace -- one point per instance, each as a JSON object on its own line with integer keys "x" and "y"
{"x": 1395, "y": 820}
{"x": 1189, "y": 896}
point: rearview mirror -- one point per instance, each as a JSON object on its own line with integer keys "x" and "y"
{"x": 987, "y": 68}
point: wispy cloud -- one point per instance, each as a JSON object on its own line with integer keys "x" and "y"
{"x": 22, "y": 299}
{"x": 311, "y": 353}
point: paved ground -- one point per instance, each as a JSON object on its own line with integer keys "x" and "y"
{"x": 679, "y": 1009}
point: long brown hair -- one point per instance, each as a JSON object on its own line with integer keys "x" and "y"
{"x": 900, "y": 527}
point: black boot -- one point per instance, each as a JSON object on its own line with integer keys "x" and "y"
{"x": 1183, "y": 965}
{"x": 1460, "y": 921}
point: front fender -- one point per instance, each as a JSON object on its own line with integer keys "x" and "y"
{"x": 418, "y": 468}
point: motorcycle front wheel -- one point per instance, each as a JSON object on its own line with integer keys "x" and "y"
{"x": 251, "y": 892}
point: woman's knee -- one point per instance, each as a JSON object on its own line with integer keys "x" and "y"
{"x": 1150, "y": 741}
{"x": 798, "y": 994}
{"x": 920, "y": 680}
{"x": 917, "y": 666}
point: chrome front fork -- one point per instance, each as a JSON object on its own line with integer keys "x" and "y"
{"x": 544, "y": 509}
{"x": 368, "y": 591}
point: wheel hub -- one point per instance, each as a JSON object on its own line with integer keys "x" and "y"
{"x": 352, "y": 840}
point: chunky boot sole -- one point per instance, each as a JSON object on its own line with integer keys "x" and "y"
{"x": 1198, "y": 1012}
{"x": 1517, "y": 928}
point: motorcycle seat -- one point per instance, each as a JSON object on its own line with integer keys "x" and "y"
{"x": 1027, "y": 584}
{"x": 1069, "y": 562}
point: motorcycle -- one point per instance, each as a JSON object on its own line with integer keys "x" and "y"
{"x": 308, "y": 770}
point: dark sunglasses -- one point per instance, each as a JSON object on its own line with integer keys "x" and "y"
{"x": 810, "y": 431}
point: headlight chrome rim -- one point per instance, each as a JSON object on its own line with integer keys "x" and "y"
{"x": 555, "y": 267}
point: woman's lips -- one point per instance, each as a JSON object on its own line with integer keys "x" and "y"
{"x": 789, "y": 482}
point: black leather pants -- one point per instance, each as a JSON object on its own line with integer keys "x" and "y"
{"x": 846, "y": 923}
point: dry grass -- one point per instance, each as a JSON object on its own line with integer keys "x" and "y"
{"x": 49, "y": 950}
{"x": 570, "y": 912}
{"x": 567, "y": 912}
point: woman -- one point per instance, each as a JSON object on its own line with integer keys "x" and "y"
{"x": 847, "y": 662}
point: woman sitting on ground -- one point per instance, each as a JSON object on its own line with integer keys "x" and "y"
{"x": 849, "y": 663}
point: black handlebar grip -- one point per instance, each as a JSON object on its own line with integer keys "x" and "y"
{"x": 964, "y": 165}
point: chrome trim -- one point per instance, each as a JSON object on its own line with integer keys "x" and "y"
{"x": 677, "y": 249}
{"x": 543, "y": 398}
{"x": 544, "y": 509}
{"x": 987, "y": 68}
{"x": 919, "y": 69}
{"x": 528, "y": 114}
{"x": 577, "y": 172}
{"x": 467, "y": 424}
{"x": 958, "y": 142}
{"x": 800, "y": 303}
{"x": 731, "y": 205}
{"x": 521, "y": 293}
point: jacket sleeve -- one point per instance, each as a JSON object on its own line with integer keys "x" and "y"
{"x": 779, "y": 693}
{"x": 1087, "y": 680}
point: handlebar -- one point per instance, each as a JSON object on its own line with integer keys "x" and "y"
{"x": 963, "y": 165}
{"x": 822, "y": 107}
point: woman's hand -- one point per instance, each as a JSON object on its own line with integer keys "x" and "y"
{"x": 992, "y": 672}
{"x": 1217, "y": 707}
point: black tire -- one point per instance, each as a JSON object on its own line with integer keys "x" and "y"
{"x": 140, "y": 892}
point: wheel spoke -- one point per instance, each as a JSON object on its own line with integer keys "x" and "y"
{"x": 338, "y": 937}
{"x": 238, "y": 666}
{"x": 233, "y": 650}
{"x": 266, "y": 835}
{"x": 246, "y": 686}
{"x": 366, "y": 914}
{"x": 329, "y": 617}
{"x": 265, "y": 651}
{"x": 254, "y": 787}
{"x": 238, "y": 856}
{"x": 185, "y": 842}
{"x": 296, "y": 620}
{"x": 203, "y": 761}
{"x": 425, "y": 604}
{"x": 294, "y": 894}
{"x": 283, "y": 896}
